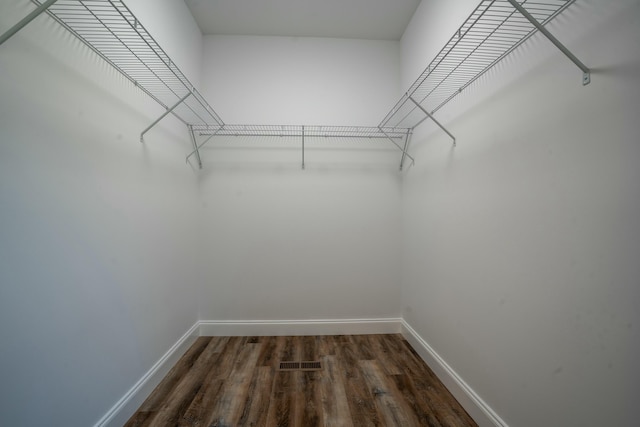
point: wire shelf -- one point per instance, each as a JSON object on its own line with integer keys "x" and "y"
{"x": 110, "y": 29}
{"x": 492, "y": 31}
{"x": 397, "y": 136}
{"x": 299, "y": 131}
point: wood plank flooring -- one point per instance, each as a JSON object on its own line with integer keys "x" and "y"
{"x": 365, "y": 380}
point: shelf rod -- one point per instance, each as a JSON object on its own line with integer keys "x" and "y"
{"x": 586, "y": 73}
{"x": 404, "y": 153}
{"x": 163, "y": 115}
{"x": 434, "y": 120}
{"x": 249, "y": 134}
{"x": 195, "y": 145}
{"x": 30, "y": 17}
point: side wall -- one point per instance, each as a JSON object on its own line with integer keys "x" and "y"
{"x": 97, "y": 241}
{"x": 282, "y": 243}
{"x": 521, "y": 244}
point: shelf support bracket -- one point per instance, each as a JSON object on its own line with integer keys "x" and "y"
{"x": 30, "y": 17}
{"x": 169, "y": 110}
{"x": 404, "y": 153}
{"x": 404, "y": 150}
{"x": 198, "y": 147}
{"x": 586, "y": 73}
{"x": 195, "y": 145}
{"x": 434, "y": 119}
{"x": 302, "y": 147}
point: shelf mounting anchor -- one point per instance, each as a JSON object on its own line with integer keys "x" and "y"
{"x": 434, "y": 119}
{"x": 24, "y": 21}
{"x": 169, "y": 110}
{"x": 586, "y": 73}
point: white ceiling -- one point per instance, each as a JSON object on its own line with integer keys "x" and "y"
{"x": 359, "y": 19}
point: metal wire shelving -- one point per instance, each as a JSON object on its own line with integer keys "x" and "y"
{"x": 492, "y": 31}
{"x": 397, "y": 136}
{"x": 116, "y": 35}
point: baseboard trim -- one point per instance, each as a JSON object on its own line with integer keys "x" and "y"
{"x": 300, "y": 327}
{"x": 120, "y": 413}
{"x": 479, "y": 410}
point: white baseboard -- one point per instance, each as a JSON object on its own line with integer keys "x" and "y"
{"x": 300, "y": 327}
{"x": 120, "y": 413}
{"x": 468, "y": 398}
{"x": 479, "y": 410}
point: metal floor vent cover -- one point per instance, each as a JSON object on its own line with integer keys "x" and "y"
{"x": 300, "y": 366}
{"x": 289, "y": 366}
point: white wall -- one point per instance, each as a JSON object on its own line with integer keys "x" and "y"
{"x": 171, "y": 24}
{"x": 518, "y": 248}
{"x": 280, "y": 242}
{"x": 98, "y": 275}
{"x": 521, "y": 244}
{"x": 291, "y": 80}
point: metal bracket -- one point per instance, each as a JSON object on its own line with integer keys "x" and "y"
{"x": 302, "y": 147}
{"x": 169, "y": 110}
{"x": 195, "y": 146}
{"x": 434, "y": 119}
{"x": 198, "y": 147}
{"x": 406, "y": 146}
{"x": 24, "y": 21}
{"x": 586, "y": 73}
{"x": 404, "y": 152}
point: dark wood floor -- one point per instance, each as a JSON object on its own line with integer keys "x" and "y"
{"x": 365, "y": 380}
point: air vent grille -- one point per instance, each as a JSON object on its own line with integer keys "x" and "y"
{"x": 310, "y": 366}
{"x": 289, "y": 366}
{"x": 301, "y": 366}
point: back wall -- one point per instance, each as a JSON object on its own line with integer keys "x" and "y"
{"x": 280, "y": 242}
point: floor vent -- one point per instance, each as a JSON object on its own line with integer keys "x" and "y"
{"x": 310, "y": 366}
{"x": 289, "y": 366}
{"x": 300, "y": 366}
